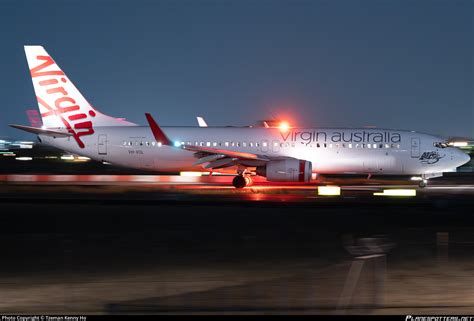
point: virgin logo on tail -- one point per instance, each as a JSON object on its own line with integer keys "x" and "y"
{"x": 65, "y": 108}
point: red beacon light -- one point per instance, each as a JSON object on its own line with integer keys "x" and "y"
{"x": 282, "y": 125}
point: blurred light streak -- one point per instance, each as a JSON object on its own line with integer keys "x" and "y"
{"x": 67, "y": 157}
{"x": 397, "y": 192}
{"x": 329, "y": 190}
{"x": 190, "y": 174}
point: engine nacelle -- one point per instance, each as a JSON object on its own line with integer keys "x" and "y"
{"x": 286, "y": 170}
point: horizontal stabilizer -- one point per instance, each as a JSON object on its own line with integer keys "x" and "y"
{"x": 41, "y": 131}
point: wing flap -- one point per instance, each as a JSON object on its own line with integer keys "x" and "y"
{"x": 229, "y": 153}
{"x": 208, "y": 158}
{"x": 220, "y": 163}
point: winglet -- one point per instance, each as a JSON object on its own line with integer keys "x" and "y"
{"x": 160, "y": 136}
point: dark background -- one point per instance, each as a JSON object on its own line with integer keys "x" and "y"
{"x": 395, "y": 64}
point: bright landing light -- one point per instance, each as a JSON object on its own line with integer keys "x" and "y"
{"x": 329, "y": 190}
{"x": 397, "y": 192}
{"x": 459, "y": 144}
{"x": 67, "y": 157}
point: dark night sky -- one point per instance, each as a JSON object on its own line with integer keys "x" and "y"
{"x": 395, "y": 64}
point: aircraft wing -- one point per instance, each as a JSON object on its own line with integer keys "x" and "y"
{"x": 221, "y": 158}
{"x": 216, "y": 157}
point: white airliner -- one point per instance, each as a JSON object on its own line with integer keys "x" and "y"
{"x": 283, "y": 154}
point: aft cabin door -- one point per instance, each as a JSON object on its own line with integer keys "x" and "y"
{"x": 415, "y": 147}
{"x": 102, "y": 144}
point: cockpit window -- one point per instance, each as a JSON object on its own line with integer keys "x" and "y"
{"x": 440, "y": 145}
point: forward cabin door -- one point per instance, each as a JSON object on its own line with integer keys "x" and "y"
{"x": 102, "y": 144}
{"x": 415, "y": 147}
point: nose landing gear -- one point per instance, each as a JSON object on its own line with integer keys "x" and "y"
{"x": 423, "y": 183}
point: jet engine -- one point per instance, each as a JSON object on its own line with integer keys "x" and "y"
{"x": 286, "y": 170}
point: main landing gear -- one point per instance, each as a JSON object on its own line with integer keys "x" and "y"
{"x": 239, "y": 181}
{"x": 242, "y": 179}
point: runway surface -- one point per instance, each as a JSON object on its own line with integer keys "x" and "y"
{"x": 181, "y": 188}
{"x": 199, "y": 247}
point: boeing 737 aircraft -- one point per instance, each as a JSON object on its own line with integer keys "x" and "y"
{"x": 283, "y": 154}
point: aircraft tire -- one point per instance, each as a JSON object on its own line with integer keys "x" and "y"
{"x": 239, "y": 181}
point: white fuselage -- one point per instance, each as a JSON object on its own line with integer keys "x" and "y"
{"x": 330, "y": 150}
